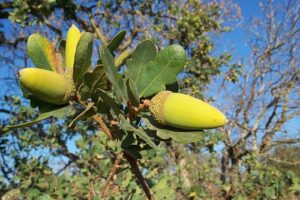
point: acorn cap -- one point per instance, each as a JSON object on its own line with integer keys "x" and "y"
{"x": 185, "y": 112}
{"x": 47, "y": 85}
{"x": 156, "y": 106}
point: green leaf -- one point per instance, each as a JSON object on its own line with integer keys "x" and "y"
{"x": 42, "y": 53}
{"x": 44, "y": 197}
{"x": 162, "y": 71}
{"x": 132, "y": 93}
{"x": 93, "y": 81}
{"x": 270, "y": 192}
{"x": 178, "y": 135}
{"x": 45, "y": 112}
{"x": 83, "y": 56}
{"x": 142, "y": 55}
{"x": 88, "y": 112}
{"x": 116, "y": 41}
{"x": 112, "y": 74}
{"x": 295, "y": 187}
{"x": 110, "y": 102}
{"x": 126, "y": 126}
{"x": 163, "y": 188}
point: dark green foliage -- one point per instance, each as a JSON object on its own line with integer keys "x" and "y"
{"x": 177, "y": 135}
{"x": 83, "y": 57}
{"x": 116, "y": 41}
{"x": 112, "y": 74}
{"x": 92, "y": 81}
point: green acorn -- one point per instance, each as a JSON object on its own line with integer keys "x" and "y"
{"x": 73, "y": 37}
{"x": 47, "y": 85}
{"x": 185, "y": 112}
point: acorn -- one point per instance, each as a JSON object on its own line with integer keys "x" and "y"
{"x": 47, "y": 85}
{"x": 72, "y": 39}
{"x": 185, "y": 112}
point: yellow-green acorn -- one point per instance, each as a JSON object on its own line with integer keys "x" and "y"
{"x": 72, "y": 39}
{"x": 47, "y": 85}
{"x": 185, "y": 112}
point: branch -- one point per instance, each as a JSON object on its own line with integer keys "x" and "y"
{"x": 4, "y": 15}
{"x": 65, "y": 167}
{"x": 286, "y": 141}
{"x": 98, "y": 30}
{"x": 112, "y": 172}
{"x": 53, "y": 28}
{"x": 103, "y": 126}
{"x": 266, "y": 142}
{"x": 4, "y": 9}
{"x": 6, "y": 111}
{"x": 135, "y": 169}
{"x": 13, "y": 43}
{"x": 284, "y": 163}
{"x": 130, "y": 159}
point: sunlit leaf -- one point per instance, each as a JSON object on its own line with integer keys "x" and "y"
{"x": 150, "y": 72}
{"x": 46, "y": 112}
{"x": 142, "y": 55}
{"x": 42, "y": 53}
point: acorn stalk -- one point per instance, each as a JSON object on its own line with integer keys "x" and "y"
{"x": 47, "y": 85}
{"x": 72, "y": 40}
{"x": 185, "y": 112}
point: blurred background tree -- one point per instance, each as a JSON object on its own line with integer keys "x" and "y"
{"x": 260, "y": 95}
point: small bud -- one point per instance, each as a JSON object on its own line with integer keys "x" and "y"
{"x": 185, "y": 112}
{"x": 72, "y": 40}
{"x": 47, "y": 85}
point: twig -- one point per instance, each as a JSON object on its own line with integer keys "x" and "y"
{"x": 98, "y": 30}
{"x": 65, "y": 167}
{"x": 112, "y": 172}
{"x": 135, "y": 169}
{"x": 103, "y": 126}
